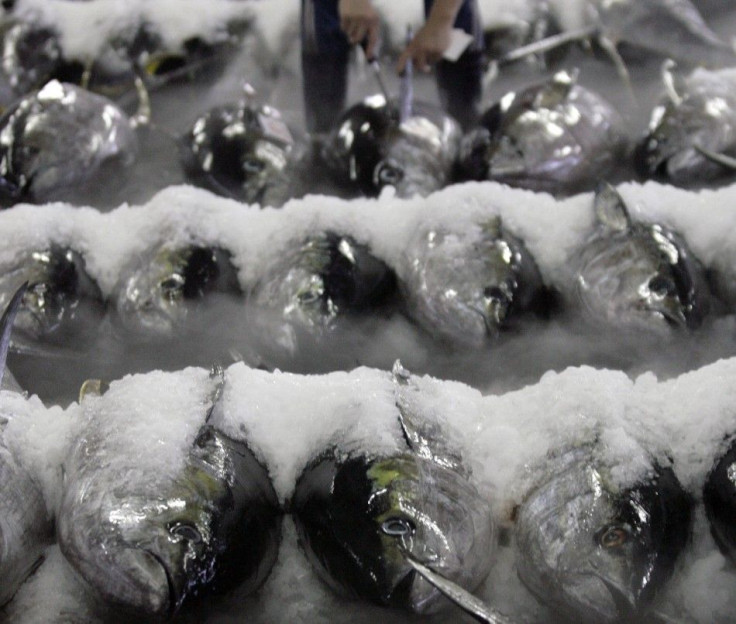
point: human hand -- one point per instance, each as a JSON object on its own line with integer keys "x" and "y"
{"x": 360, "y": 22}
{"x": 427, "y": 46}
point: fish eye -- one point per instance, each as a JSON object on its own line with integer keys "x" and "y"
{"x": 389, "y": 175}
{"x": 253, "y": 165}
{"x": 613, "y": 537}
{"x": 186, "y": 531}
{"x": 398, "y": 527}
{"x": 662, "y": 286}
{"x": 495, "y": 293}
{"x": 171, "y": 286}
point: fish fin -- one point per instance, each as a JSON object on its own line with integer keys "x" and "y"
{"x": 492, "y": 227}
{"x": 424, "y": 436}
{"x": 469, "y": 603}
{"x": 217, "y": 373}
{"x": 610, "y": 48}
{"x": 549, "y": 43}
{"x": 721, "y": 159}
{"x": 673, "y": 80}
{"x": 6, "y": 325}
{"x": 557, "y": 90}
{"x": 142, "y": 116}
{"x": 93, "y": 387}
{"x": 610, "y": 208}
{"x": 401, "y": 378}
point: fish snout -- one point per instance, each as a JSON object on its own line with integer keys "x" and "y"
{"x": 625, "y": 600}
{"x": 649, "y": 158}
{"x": 140, "y": 583}
{"x": 388, "y": 172}
{"x": 149, "y": 316}
{"x": 413, "y": 593}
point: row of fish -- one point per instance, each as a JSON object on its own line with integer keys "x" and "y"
{"x": 465, "y": 287}
{"x": 400, "y": 528}
{"x": 557, "y": 136}
{"x": 33, "y": 52}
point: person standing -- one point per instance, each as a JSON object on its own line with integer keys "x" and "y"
{"x": 329, "y": 28}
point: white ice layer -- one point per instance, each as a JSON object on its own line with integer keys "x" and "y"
{"x": 150, "y": 420}
{"x": 552, "y": 229}
{"x": 85, "y": 27}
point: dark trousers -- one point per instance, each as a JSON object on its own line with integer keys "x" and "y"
{"x": 325, "y": 54}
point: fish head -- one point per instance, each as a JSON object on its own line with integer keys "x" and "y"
{"x": 242, "y": 150}
{"x": 546, "y": 136}
{"x": 537, "y": 149}
{"x": 719, "y": 498}
{"x": 30, "y": 55}
{"x": 148, "y": 554}
{"x": 156, "y": 296}
{"x": 25, "y": 529}
{"x": 470, "y": 286}
{"x": 161, "y": 552}
{"x": 418, "y": 155}
{"x": 147, "y": 551}
{"x": 59, "y": 137}
{"x": 641, "y": 276}
{"x": 323, "y": 277}
{"x": 356, "y": 146}
{"x": 669, "y": 150}
{"x": 61, "y": 300}
{"x": 377, "y": 512}
{"x": 601, "y": 552}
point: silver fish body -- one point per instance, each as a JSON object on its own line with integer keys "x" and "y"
{"x": 363, "y": 517}
{"x": 244, "y": 151}
{"x": 557, "y": 137}
{"x": 60, "y": 137}
{"x": 594, "y": 551}
{"x": 357, "y": 515}
{"x": 699, "y": 111}
{"x": 639, "y": 276}
{"x": 719, "y": 499}
{"x": 31, "y": 55}
{"x": 62, "y": 304}
{"x": 370, "y": 148}
{"x": 151, "y": 544}
{"x": 25, "y": 525}
{"x": 158, "y": 294}
{"x": 322, "y": 278}
{"x": 466, "y": 286}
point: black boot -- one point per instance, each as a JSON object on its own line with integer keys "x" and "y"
{"x": 325, "y": 89}
{"x": 460, "y": 87}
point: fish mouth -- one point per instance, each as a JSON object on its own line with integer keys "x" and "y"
{"x": 172, "y": 600}
{"x": 673, "y": 316}
{"x": 143, "y": 584}
{"x": 413, "y": 593}
{"x": 624, "y": 600}
{"x": 149, "y": 320}
{"x": 649, "y": 160}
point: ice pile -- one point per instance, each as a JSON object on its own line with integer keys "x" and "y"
{"x": 287, "y": 419}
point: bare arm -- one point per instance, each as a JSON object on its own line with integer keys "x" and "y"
{"x": 359, "y": 21}
{"x": 433, "y": 38}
